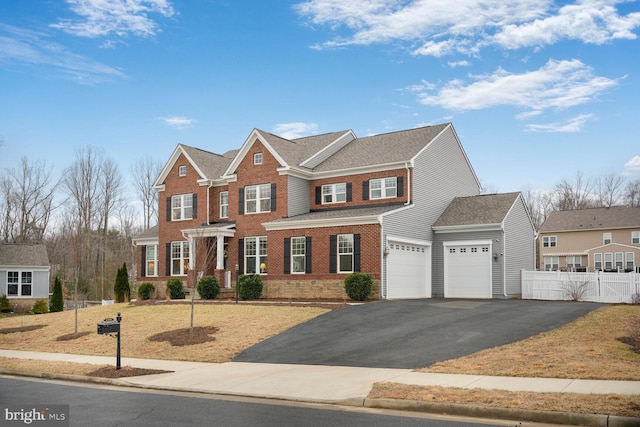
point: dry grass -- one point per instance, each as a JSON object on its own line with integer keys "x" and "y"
{"x": 626, "y": 406}
{"x": 592, "y": 347}
{"x": 238, "y": 327}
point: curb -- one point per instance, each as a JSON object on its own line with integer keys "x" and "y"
{"x": 549, "y": 417}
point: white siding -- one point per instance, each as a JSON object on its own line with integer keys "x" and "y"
{"x": 298, "y": 197}
{"x": 519, "y": 246}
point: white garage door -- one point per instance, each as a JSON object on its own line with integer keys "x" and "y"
{"x": 467, "y": 270}
{"x": 408, "y": 270}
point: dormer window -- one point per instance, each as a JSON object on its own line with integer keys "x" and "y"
{"x": 182, "y": 170}
{"x": 257, "y": 159}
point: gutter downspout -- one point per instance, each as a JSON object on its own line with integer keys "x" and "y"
{"x": 408, "y": 202}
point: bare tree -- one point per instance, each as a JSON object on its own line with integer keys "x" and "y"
{"x": 539, "y": 203}
{"x": 145, "y": 172}
{"x": 632, "y": 193}
{"x": 27, "y": 195}
{"x": 609, "y": 189}
{"x": 576, "y": 194}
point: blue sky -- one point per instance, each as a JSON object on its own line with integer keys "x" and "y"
{"x": 537, "y": 90}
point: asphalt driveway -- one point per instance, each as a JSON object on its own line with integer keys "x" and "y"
{"x": 412, "y": 333}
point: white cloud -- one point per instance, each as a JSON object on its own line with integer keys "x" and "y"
{"x": 295, "y": 130}
{"x": 633, "y": 165}
{"x": 455, "y": 64}
{"x": 575, "y": 124}
{"x": 558, "y": 85}
{"x": 177, "y": 122}
{"x": 121, "y": 17}
{"x": 25, "y": 47}
{"x": 464, "y": 26}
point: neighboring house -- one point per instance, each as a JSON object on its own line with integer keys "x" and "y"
{"x": 304, "y": 213}
{"x": 606, "y": 239}
{"x": 481, "y": 245}
{"x": 24, "y": 274}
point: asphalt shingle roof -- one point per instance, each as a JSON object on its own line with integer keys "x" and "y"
{"x": 477, "y": 210}
{"x": 592, "y": 219}
{"x": 211, "y": 164}
{"x": 33, "y": 255}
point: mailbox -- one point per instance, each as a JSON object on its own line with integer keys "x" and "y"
{"x": 108, "y": 328}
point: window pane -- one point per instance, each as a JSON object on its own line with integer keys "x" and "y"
{"x": 346, "y": 263}
{"x": 298, "y": 247}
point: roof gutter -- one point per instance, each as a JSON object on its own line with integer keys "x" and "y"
{"x": 408, "y": 202}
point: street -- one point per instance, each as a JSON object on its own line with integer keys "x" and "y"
{"x": 99, "y": 405}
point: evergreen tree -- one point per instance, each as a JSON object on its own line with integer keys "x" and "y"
{"x": 57, "y": 300}
{"x": 121, "y": 288}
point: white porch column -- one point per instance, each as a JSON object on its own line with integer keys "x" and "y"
{"x": 192, "y": 253}
{"x": 220, "y": 252}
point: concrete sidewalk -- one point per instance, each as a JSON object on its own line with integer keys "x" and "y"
{"x": 343, "y": 385}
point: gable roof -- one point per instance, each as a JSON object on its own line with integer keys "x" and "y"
{"x": 483, "y": 209}
{"x": 209, "y": 166}
{"x": 592, "y": 219}
{"x": 394, "y": 147}
{"x": 23, "y": 255}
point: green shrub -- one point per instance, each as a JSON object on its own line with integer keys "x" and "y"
{"x": 249, "y": 287}
{"x": 208, "y": 287}
{"x": 5, "y": 304}
{"x": 175, "y": 289}
{"x": 40, "y": 307}
{"x": 57, "y": 300}
{"x": 358, "y": 286}
{"x": 145, "y": 290}
{"x": 121, "y": 288}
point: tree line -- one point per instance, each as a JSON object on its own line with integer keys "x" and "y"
{"x": 86, "y": 218}
{"x": 582, "y": 192}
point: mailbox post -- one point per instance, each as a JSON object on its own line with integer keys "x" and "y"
{"x": 108, "y": 327}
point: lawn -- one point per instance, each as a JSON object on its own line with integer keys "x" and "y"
{"x": 595, "y": 346}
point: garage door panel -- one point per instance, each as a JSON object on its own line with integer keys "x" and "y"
{"x": 408, "y": 271}
{"x": 467, "y": 271}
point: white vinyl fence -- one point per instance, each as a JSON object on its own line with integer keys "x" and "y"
{"x": 595, "y": 287}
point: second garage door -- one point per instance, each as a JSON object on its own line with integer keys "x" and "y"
{"x": 467, "y": 269}
{"x": 408, "y": 270}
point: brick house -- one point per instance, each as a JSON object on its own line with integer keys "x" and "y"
{"x": 304, "y": 213}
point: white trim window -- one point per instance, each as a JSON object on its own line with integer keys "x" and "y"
{"x": 181, "y": 207}
{"x": 179, "y": 258}
{"x": 298, "y": 255}
{"x": 549, "y": 241}
{"x": 619, "y": 261}
{"x": 182, "y": 170}
{"x": 630, "y": 261}
{"x": 255, "y": 255}
{"x": 334, "y": 193}
{"x": 19, "y": 283}
{"x": 551, "y": 263}
{"x": 608, "y": 261}
{"x": 257, "y": 158}
{"x": 606, "y": 238}
{"x": 224, "y": 204}
{"x": 345, "y": 253}
{"x": 574, "y": 261}
{"x": 151, "y": 261}
{"x": 635, "y": 237}
{"x": 257, "y": 198}
{"x": 383, "y": 188}
{"x": 597, "y": 262}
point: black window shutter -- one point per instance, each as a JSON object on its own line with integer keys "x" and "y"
{"x": 333, "y": 253}
{"x": 143, "y": 262}
{"x": 356, "y": 252}
{"x": 318, "y": 195}
{"x": 307, "y": 255}
{"x": 241, "y": 256}
{"x": 168, "y": 209}
{"x": 400, "y": 186}
{"x": 287, "y": 255}
{"x": 168, "y": 260}
{"x": 194, "y": 202}
{"x": 349, "y": 191}
{"x": 273, "y": 197}
{"x": 241, "y": 201}
{"x": 365, "y": 190}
